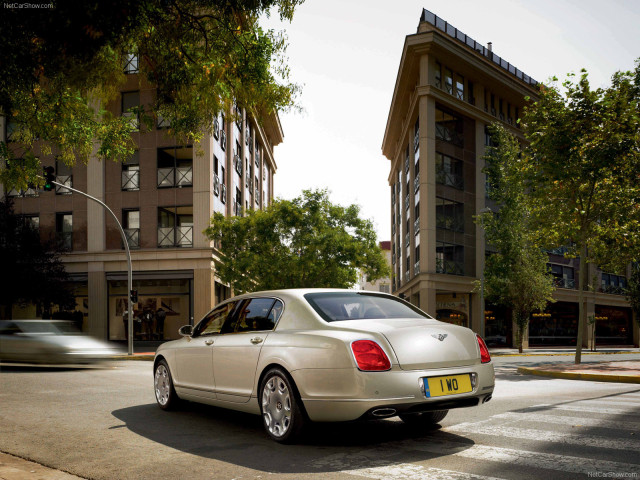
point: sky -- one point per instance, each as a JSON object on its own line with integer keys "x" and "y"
{"x": 345, "y": 54}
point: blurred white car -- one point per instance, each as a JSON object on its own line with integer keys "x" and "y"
{"x": 49, "y": 341}
{"x": 324, "y": 355}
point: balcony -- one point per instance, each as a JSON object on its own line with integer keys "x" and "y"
{"x": 237, "y": 163}
{"x": 455, "y": 224}
{"x": 406, "y": 202}
{"x": 613, "y": 289}
{"x": 67, "y": 181}
{"x": 181, "y": 236}
{"x": 131, "y": 180}
{"x": 29, "y": 192}
{"x": 223, "y": 140}
{"x": 133, "y": 237}
{"x": 416, "y": 184}
{"x": 406, "y": 240}
{"x": 216, "y": 184}
{"x": 416, "y": 268}
{"x": 175, "y": 177}
{"x": 406, "y": 165}
{"x": 416, "y": 226}
{"x": 131, "y": 64}
{"x": 416, "y": 142}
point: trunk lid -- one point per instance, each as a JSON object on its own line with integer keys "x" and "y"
{"x": 423, "y": 343}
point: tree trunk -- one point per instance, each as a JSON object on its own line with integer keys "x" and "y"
{"x": 582, "y": 312}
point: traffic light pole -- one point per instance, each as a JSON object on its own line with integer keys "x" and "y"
{"x": 129, "y": 271}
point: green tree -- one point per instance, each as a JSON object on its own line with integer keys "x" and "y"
{"x": 32, "y": 271}
{"x": 584, "y": 172}
{"x": 516, "y": 273}
{"x": 62, "y": 66}
{"x": 304, "y": 242}
{"x": 633, "y": 291}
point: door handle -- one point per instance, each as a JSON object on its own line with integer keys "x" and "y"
{"x": 256, "y": 340}
{"x": 208, "y": 342}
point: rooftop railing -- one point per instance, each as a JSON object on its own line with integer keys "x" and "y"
{"x": 453, "y": 32}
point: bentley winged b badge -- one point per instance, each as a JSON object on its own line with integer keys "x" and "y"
{"x": 439, "y": 336}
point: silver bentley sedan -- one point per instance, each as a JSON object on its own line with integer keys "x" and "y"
{"x": 294, "y": 356}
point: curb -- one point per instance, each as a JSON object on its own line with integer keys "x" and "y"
{"x": 593, "y": 377}
{"x": 140, "y": 356}
{"x": 567, "y": 354}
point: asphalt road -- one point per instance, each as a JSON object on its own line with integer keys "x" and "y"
{"x": 103, "y": 423}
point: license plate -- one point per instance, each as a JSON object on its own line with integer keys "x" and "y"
{"x": 449, "y": 385}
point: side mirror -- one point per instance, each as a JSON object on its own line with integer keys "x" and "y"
{"x": 186, "y": 330}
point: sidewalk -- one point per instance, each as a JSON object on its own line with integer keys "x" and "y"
{"x": 619, "y": 372}
{"x": 16, "y": 468}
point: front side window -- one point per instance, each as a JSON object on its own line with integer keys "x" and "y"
{"x": 212, "y": 323}
{"x": 339, "y": 306}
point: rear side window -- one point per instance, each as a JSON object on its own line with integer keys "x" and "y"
{"x": 337, "y": 306}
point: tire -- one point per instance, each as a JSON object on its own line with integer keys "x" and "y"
{"x": 281, "y": 408}
{"x": 424, "y": 418}
{"x": 166, "y": 395}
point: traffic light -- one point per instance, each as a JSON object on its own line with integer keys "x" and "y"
{"x": 134, "y": 296}
{"x": 49, "y": 178}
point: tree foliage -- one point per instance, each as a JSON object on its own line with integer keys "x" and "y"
{"x": 633, "y": 290}
{"x": 515, "y": 273}
{"x": 32, "y": 271}
{"x": 304, "y": 242}
{"x": 584, "y": 175}
{"x": 62, "y": 66}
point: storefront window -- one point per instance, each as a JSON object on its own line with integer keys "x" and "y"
{"x": 613, "y": 326}
{"x": 164, "y": 305}
{"x": 453, "y": 308}
{"x": 557, "y": 325}
{"x": 497, "y": 326}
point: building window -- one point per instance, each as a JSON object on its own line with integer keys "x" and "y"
{"x": 237, "y": 203}
{"x": 175, "y": 167}
{"x": 131, "y": 172}
{"x": 64, "y": 231}
{"x": 460, "y": 87}
{"x": 223, "y": 132}
{"x": 175, "y": 227}
{"x": 449, "y": 171}
{"x": 130, "y": 102}
{"x": 470, "y": 98}
{"x": 449, "y": 258}
{"x": 223, "y": 181}
{"x": 448, "y": 81}
{"x": 562, "y": 276}
{"x": 438, "y": 75}
{"x": 615, "y": 284}
{"x": 416, "y": 135}
{"x": 131, "y": 227}
{"x": 130, "y": 63}
{"x": 31, "y": 222}
{"x": 449, "y": 127}
{"x": 449, "y": 215}
{"x": 63, "y": 176}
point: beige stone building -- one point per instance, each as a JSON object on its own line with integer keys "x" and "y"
{"x": 449, "y": 88}
{"x": 164, "y": 197}
{"x": 382, "y": 284}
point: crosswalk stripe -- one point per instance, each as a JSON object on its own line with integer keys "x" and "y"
{"x": 412, "y": 471}
{"x": 566, "y": 420}
{"x": 590, "y": 409}
{"x": 563, "y": 463}
{"x": 630, "y": 402}
{"x": 546, "y": 436}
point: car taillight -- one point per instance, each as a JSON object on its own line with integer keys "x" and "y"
{"x": 369, "y": 356}
{"x": 484, "y": 351}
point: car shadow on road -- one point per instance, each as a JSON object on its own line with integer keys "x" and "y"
{"x": 239, "y": 439}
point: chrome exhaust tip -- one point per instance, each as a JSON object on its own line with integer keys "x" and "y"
{"x": 384, "y": 412}
{"x": 486, "y": 399}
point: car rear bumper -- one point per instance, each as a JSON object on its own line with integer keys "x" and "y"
{"x": 331, "y": 395}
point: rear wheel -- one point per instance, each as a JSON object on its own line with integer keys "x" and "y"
{"x": 163, "y": 386}
{"x": 423, "y": 418}
{"x": 281, "y": 408}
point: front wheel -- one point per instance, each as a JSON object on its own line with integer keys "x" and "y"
{"x": 423, "y": 418}
{"x": 163, "y": 386}
{"x": 281, "y": 409}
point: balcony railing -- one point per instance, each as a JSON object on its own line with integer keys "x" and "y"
{"x": 406, "y": 202}
{"x": 131, "y": 180}
{"x": 175, "y": 177}
{"x": 416, "y": 141}
{"x": 564, "y": 282}
{"x": 216, "y": 184}
{"x": 406, "y": 240}
{"x": 67, "y": 181}
{"x": 449, "y": 267}
{"x": 133, "y": 119}
{"x": 416, "y": 268}
{"x": 416, "y": 184}
{"x": 613, "y": 289}
{"x": 406, "y": 165}
{"x": 416, "y": 226}
{"x": 455, "y": 224}
{"x": 65, "y": 240}
{"x": 131, "y": 64}
{"x": 175, "y": 236}
{"x": 450, "y": 179}
{"x": 133, "y": 237}
{"x": 29, "y": 192}
{"x": 223, "y": 140}
{"x": 448, "y": 135}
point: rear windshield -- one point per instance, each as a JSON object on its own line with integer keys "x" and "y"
{"x": 336, "y": 306}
